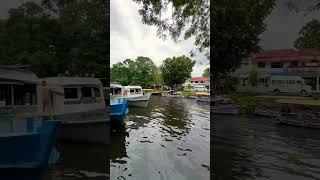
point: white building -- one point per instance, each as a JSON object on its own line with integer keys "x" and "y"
{"x": 197, "y": 81}
{"x": 304, "y": 63}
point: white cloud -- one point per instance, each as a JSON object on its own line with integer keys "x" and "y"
{"x": 130, "y": 38}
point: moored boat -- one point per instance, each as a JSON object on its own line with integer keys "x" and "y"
{"x": 25, "y": 155}
{"x": 172, "y": 94}
{"x": 118, "y": 110}
{"x": 301, "y": 113}
{"x": 266, "y": 111}
{"x": 203, "y": 97}
{"x": 79, "y": 103}
{"x": 223, "y": 106}
{"x": 134, "y": 94}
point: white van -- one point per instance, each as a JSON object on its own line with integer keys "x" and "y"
{"x": 199, "y": 88}
{"x": 289, "y": 84}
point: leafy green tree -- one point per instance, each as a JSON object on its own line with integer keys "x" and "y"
{"x": 253, "y": 78}
{"x": 309, "y": 36}
{"x": 73, "y": 40}
{"x": 176, "y": 70}
{"x": 206, "y": 72}
{"x": 188, "y": 17}
{"x": 158, "y": 77}
{"x": 120, "y": 72}
{"x": 236, "y": 29}
{"x": 141, "y": 71}
{"x": 236, "y": 24}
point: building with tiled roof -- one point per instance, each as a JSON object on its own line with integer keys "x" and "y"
{"x": 301, "y": 62}
{"x": 196, "y": 81}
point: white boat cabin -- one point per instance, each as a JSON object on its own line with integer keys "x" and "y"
{"x": 132, "y": 91}
{"x": 116, "y": 90}
{"x": 20, "y": 92}
{"x": 72, "y": 95}
{"x": 20, "y": 98}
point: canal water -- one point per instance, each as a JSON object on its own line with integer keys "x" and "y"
{"x": 167, "y": 140}
{"x": 249, "y": 147}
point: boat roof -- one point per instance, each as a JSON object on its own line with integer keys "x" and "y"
{"x": 65, "y": 81}
{"x": 203, "y": 93}
{"x": 309, "y": 102}
{"x": 17, "y": 74}
{"x": 132, "y": 87}
{"x": 116, "y": 86}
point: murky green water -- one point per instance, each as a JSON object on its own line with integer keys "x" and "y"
{"x": 249, "y": 147}
{"x": 167, "y": 140}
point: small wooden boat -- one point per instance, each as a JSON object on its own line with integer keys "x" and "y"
{"x": 302, "y": 113}
{"x": 266, "y": 111}
{"x": 172, "y": 94}
{"x": 25, "y": 155}
{"x": 203, "y": 97}
{"x": 118, "y": 110}
{"x": 222, "y": 105}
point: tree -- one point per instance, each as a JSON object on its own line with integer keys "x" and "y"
{"x": 190, "y": 17}
{"x": 141, "y": 71}
{"x": 206, "y": 72}
{"x": 176, "y": 70}
{"x": 253, "y": 78}
{"x": 236, "y": 29}
{"x": 309, "y": 36}
{"x": 122, "y": 72}
{"x": 158, "y": 77}
{"x": 73, "y": 40}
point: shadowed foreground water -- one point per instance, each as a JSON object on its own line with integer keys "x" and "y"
{"x": 167, "y": 140}
{"x": 248, "y": 147}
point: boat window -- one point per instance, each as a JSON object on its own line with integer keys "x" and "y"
{"x": 131, "y": 91}
{"x": 25, "y": 94}
{"x": 261, "y": 65}
{"x": 96, "y": 92}
{"x": 70, "y": 93}
{"x": 86, "y": 92}
{"x": 5, "y": 94}
{"x": 276, "y": 65}
{"x": 138, "y": 91}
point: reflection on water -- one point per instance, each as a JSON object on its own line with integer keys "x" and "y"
{"x": 167, "y": 140}
{"x": 259, "y": 148}
{"x": 80, "y": 161}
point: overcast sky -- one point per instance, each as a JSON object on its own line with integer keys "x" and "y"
{"x": 131, "y": 38}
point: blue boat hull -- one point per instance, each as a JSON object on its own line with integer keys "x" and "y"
{"x": 26, "y": 155}
{"x": 118, "y": 111}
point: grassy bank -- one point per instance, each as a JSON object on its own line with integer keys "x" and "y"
{"x": 247, "y": 101}
{"x": 188, "y": 93}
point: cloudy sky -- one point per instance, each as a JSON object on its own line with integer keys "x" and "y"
{"x": 130, "y": 38}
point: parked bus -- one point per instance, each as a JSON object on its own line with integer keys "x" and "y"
{"x": 289, "y": 84}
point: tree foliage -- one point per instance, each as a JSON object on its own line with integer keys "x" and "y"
{"x": 189, "y": 18}
{"x": 176, "y": 70}
{"x": 309, "y": 36}
{"x": 253, "y": 78}
{"x": 206, "y": 72}
{"x": 237, "y": 26}
{"x": 141, "y": 71}
{"x": 72, "y": 41}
